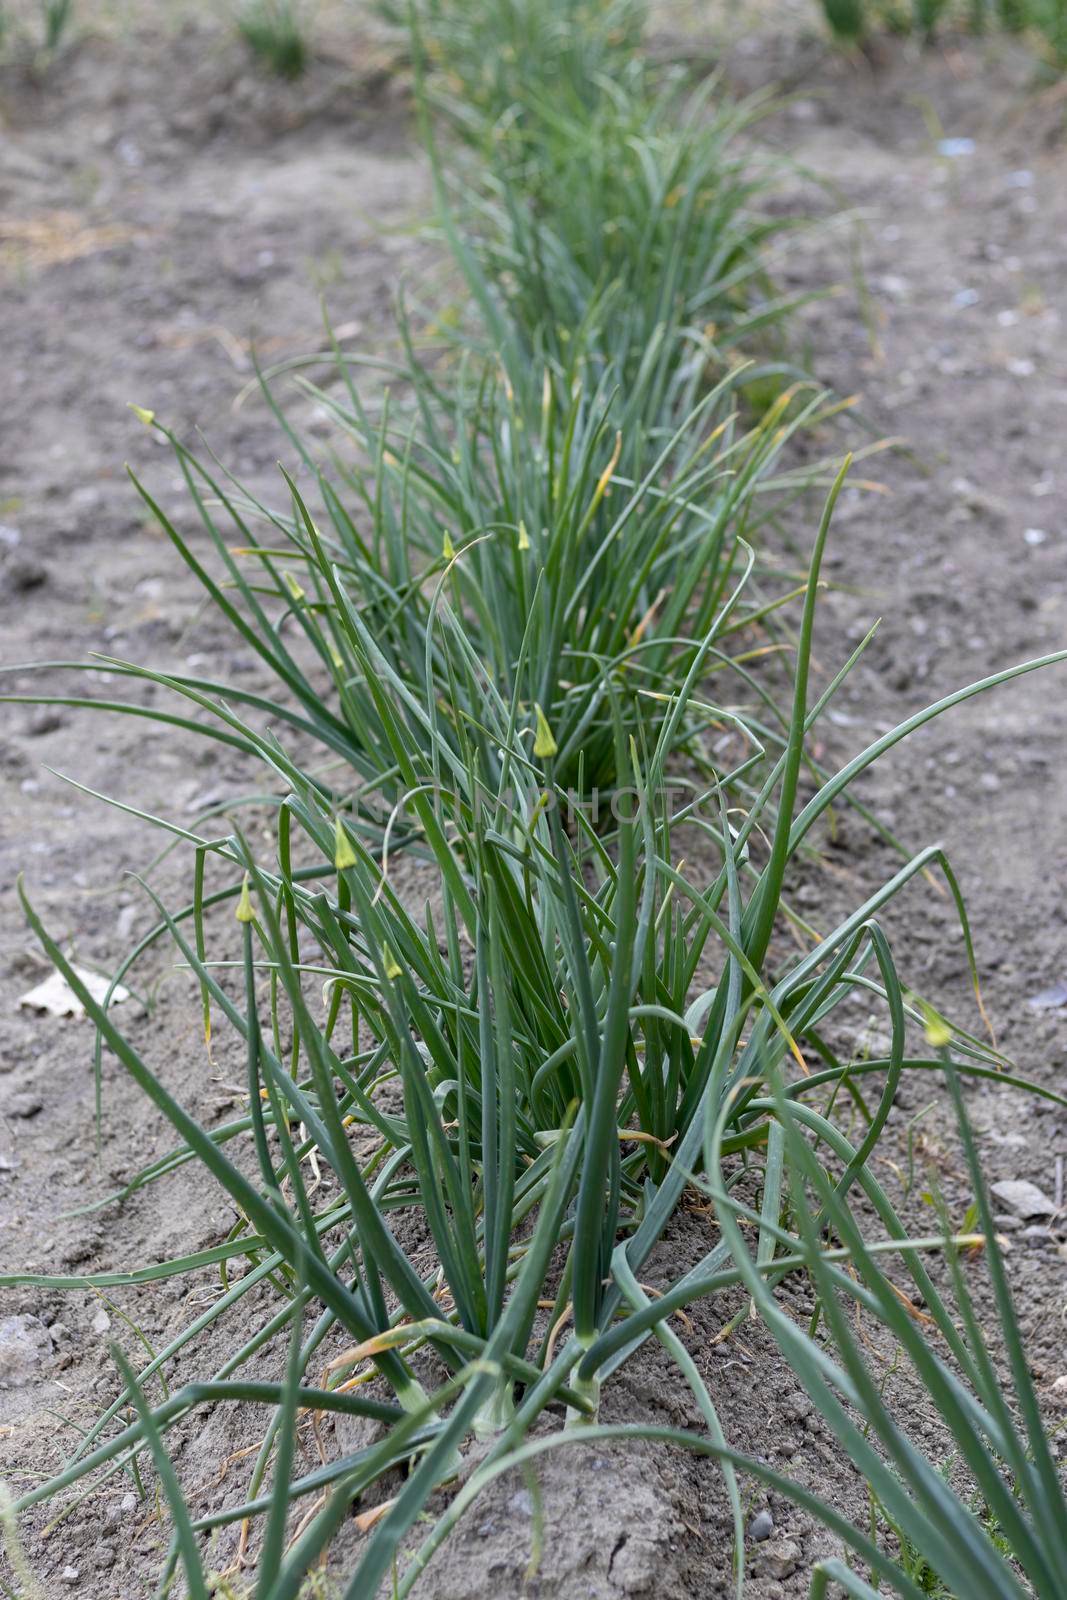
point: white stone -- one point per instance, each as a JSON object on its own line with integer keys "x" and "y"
{"x": 1023, "y": 1197}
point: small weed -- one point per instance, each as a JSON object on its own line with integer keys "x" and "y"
{"x": 852, "y": 20}
{"x": 36, "y": 44}
{"x": 276, "y": 31}
{"x": 55, "y": 18}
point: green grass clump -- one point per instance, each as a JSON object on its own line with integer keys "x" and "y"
{"x": 643, "y": 212}
{"x": 55, "y": 18}
{"x": 276, "y": 32}
{"x": 613, "y": 203}
{"x": 1046, "y": 20}
{"x": 488, "y": 58}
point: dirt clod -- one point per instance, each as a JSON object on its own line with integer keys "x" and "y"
{"x": 780, "y": 1558}
{"x": 25, "y": 1347}
{"x": 22, "y": 574}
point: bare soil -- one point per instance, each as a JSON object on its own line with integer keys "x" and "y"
{"x": 161, "y": 207}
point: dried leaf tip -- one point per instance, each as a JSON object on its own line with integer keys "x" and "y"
{"x": 544, "y": 742}
{"x": 244, "y": 912}
{"x": 606, "y": 476}
{"x": 343, "y": 853}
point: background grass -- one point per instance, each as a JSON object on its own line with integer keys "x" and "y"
{"x": 1044, "y": 21}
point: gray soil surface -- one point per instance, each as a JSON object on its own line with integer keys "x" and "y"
{"x": 160, "y": 208}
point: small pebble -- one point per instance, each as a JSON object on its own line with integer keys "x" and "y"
{"x": 1049, "y": 999}
{"x": 954, "y": 148}
{"x": 871, "y": 1042}
{"x": 761, "y": 1527}
{"x": 25, "y": 1347}
{"x": 70, "y": 1574}
{"x": 1025, "y": 1199}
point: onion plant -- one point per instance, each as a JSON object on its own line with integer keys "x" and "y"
{"x": 609, "y": 203}
{"x": 576, "y": 465}
{"x": 1045, "y": 20}
{"x": 573, "y": 585}
{"x": 486, "y": 56}
{"x": 638, "y": 215}
{"x": 564, "y": 1077}
{"x": 525, "y": 583}
{"x": 988, "y": 1530}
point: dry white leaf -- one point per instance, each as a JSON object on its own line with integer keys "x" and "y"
{"x": 55, "y": 996}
